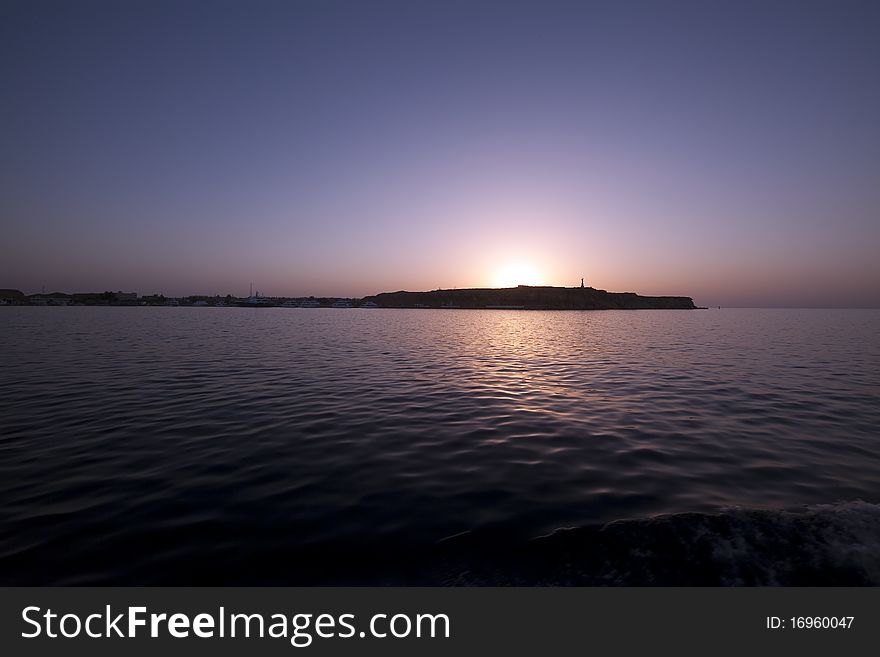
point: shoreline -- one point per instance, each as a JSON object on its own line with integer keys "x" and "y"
{"x": 522, "y": 297}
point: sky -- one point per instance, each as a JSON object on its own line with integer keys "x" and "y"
{"x": 724, "y": 150}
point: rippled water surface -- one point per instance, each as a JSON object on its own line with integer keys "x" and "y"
{"x": 215, "y": 445}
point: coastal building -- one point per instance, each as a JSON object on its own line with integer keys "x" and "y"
{"x": 107, "y": 298}
{"x": 55, "y": 299}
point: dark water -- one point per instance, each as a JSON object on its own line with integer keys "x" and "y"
{"x": 313, "y": 446}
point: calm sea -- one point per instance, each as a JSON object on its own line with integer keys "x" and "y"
{"x": 315, "y": 446}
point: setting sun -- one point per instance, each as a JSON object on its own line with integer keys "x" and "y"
{"x": 515, "y": 274}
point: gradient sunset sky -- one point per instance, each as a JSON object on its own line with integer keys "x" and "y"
{"x": 728, "y": 151}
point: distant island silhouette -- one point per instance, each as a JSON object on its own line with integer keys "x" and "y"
{"x": 522, "y": 297}
{"x": 530, "y": 297}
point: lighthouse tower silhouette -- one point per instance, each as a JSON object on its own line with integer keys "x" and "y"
{"x": 582, "y": 282}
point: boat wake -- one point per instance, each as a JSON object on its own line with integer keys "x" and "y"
{"x": 827, "y": 544}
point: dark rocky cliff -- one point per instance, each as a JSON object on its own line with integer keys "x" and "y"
{"x": 530, "y": 298}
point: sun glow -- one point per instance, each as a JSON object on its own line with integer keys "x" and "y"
{"x": 515, "y": 274}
